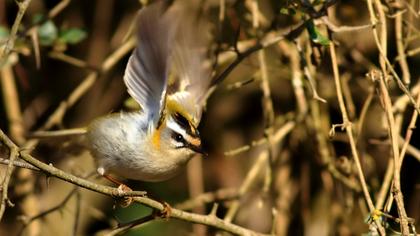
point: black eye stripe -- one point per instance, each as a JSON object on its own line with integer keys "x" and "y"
{"x": 181, "y": 120}
{"x": 178, "y": 138}
{"x": 184, "y": 123}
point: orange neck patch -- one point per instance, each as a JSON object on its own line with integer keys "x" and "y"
{"x": 156, "y": 138}
{"x": 156, "y": 135}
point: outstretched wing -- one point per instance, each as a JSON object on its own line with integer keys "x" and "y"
{"x": 188, "y": 64}
{"x": 146, "y": 73}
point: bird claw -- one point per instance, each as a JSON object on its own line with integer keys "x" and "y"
{"x": 166, "y": 211}
{"x": 122, "y": 188}
{"x": 124, "y": 201}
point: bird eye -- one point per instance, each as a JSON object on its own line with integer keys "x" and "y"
{"x": 179, "y": 138}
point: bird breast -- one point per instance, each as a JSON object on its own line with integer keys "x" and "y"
{"x": 121, "y": 145}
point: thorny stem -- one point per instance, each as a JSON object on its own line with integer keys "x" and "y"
{"x": 267, "y": 103}
{"x": 10, "y": 167}
{"x": 347, "y": 125}
{"x": 385, "y": 60}
{"x": 402, "y": 57}
{"x": 7, "y": 48}
{"x": 396, "y": 189}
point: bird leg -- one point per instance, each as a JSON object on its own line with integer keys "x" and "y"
{"x": 122, "y": 188}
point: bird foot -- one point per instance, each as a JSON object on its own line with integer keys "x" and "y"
{"x": 165, "y": 212}
{"x": 124, "y": 201}
{"x": 122, "y": 188}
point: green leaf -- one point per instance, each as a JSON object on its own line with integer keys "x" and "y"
{"x": 284, "y": 11}
{"x": 37, "y": 18}
{"x": 318, "y": 2}
{"x": 73, "y": 35}
{"x": 4, "y": 33}
{"x": 288, "y": 11}
{"x": 315, "y": 35}
{"x": 47, "y": 33}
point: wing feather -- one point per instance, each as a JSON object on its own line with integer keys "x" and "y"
{"x": 188, "y": 62}
{"x": 146, "y": 73}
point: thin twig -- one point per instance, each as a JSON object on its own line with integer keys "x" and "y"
{"x": 77, "y": 213}
{"x": 402, "y": 101}
{"x": 33, "y": 31}
{"x": 269, "y": 40}
{"x": 413, "y": 52}
{"x": 258, "y": 167}
{"x": 364, "y": 112}
{"x": 351, "y": 108}
{"x": 11, "y": 103}
{"x": 287, "y": 190}
{"x": 343, "y": 28}
{"x": 58, "y": 133}
{"x": 218, "y": 195}
{"x": 279, "y": 134}
{"x": 402, "y": 58}
{"x": 196, "y": 187}
{"x": 16, "y": 163}
{"x": 396, "y": 190}
{"x": 308, "y": 75}
{"x": 297, "y": 77}
{"x": 325, "y": 150}
{"x": 9, "y": 171}
{"x": 58, "y": 8}
{"x": 267, "y": 103}
{"x": 60, "y": 205}
{"x": 385, "y": 60}
{"x": 10, "y": 42}
{"x": 14, "y": 115}
{"x": 90, "y": 79}
{"x": 68, "y": 59}
{"x": 408, "y": 134}
{"x": 122, "y": 228}
{"x": 347, "y": 125}
{"x": 382, "y": 42}
{"x": 386, "y": 182}
{"x": 249, "y": 181}
{"x": 413, "y": 151}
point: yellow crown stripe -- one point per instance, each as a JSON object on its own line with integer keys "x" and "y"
{"x": 173, "y": 107}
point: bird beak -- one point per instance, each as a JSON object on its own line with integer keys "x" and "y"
{"x": 198, "y": 149}
{"x": 195, "y": 144}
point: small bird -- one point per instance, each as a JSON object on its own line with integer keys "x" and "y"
{"x": 165, "y": 75}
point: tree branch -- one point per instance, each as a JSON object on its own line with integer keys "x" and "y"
{"x": 209, "y": 220}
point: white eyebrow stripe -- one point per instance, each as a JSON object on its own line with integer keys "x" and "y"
{"x": 173, "y": 125}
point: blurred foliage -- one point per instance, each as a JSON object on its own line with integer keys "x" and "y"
{"x": 315, "y": 35}
{"x": 49, "y": 34}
